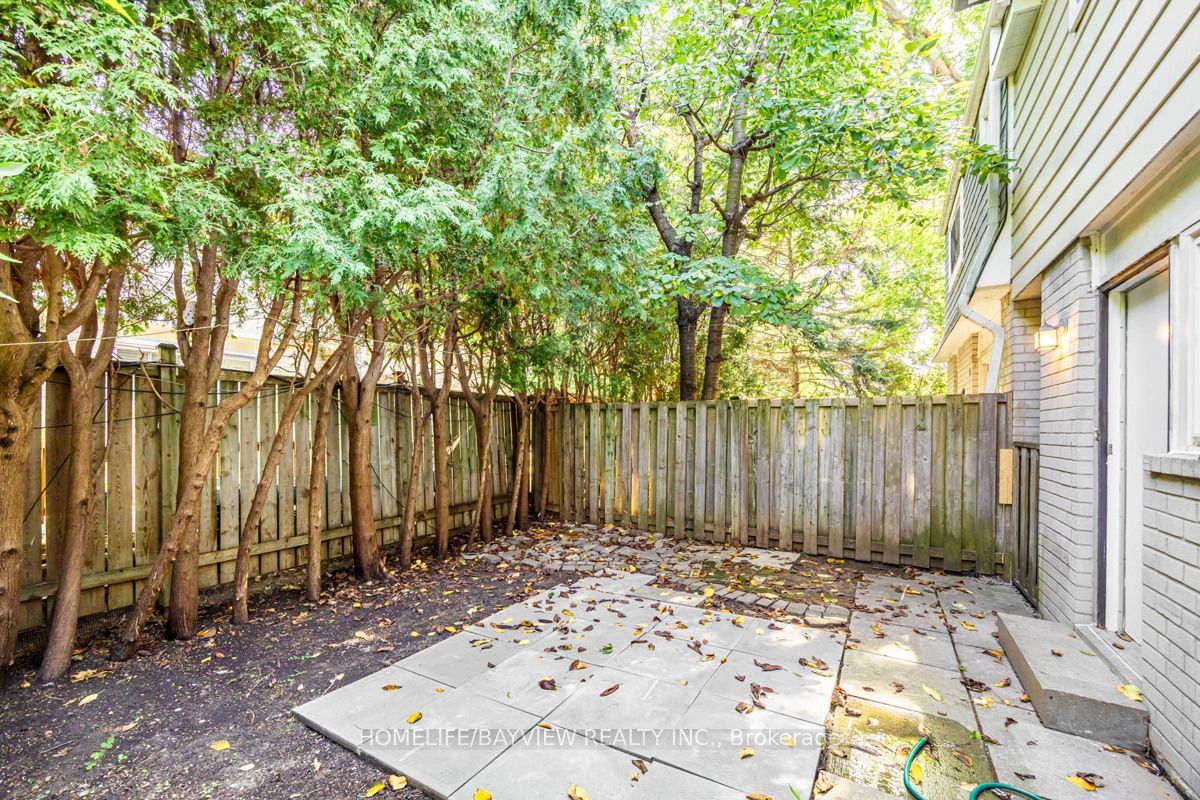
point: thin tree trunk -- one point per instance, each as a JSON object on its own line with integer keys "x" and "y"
{"x": 544, "y": 491}
{"x": 408, "y": 525}
{"x": 713, "y": 353}
{"x": 441, "y": 474}
{"x": 316, "y": 493}
{"x": 687, "y": 316}
{"x": 184, "y": 602}
{"x": 521, "y": 444}
{"x": 15, "y": 439}
{"x": 191, "y": 486}
{"x": 358, "y": 393}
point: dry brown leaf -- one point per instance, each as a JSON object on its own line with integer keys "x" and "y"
{"x": 610, "y": 690}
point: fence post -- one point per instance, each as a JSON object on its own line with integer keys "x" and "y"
{"x": 168, "y": 443}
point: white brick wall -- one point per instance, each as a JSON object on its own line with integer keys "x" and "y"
{"x": 1171, "y": 640}
{"x": 1021, "y": 365}
{"x": 1068, "y": 412}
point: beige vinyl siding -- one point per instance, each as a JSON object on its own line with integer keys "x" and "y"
{"x": 1092, "y": 108}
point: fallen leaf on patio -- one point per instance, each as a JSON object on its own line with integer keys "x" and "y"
{"x": 414, "y": 717}
{"x": 878, "y": 630}
{"x": 641, "y": 765}
{"x": 916, "y": 773}
{"x": 481, "y": 794}
{"x": 1127, "y": 689}
{"x": 709, "y": 591}
{"x": 743, "y": 708}
{"x": 1124, "y": 637}
{"x": 985, "y": 701}
{"x": 765, "y": 667}
{"x": 1082, "y": 783}
{"x": 88, "y": 699}
{"x": 219, "y": 745}
{"x": 610, "y": 690}
{"x": 824, "y": 783}
{"x": 934, "y": 693}
{"x": 966, "y": 760}
{"x": 969, "y": 625}
{"x": 746, "y": 752}
{"x": 577, "y": 665}
{"x": 1057, "y": 653}
{"x": 1004, "y": 684}
{"x": 575, "y": 792}
{"x": 548, "y": 684}
{"x": 758, "y": 796}
{"x": 391, "y": 687}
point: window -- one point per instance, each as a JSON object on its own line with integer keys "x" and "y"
{"x": 1185, "y": 342}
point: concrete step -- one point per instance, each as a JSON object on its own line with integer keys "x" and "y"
{"x": 1072, "y": 688}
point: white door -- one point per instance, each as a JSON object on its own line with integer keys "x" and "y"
{"x": 1147, "y": 358}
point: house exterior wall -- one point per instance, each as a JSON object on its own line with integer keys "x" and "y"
{"x": 1171, "y": 642}
{"x": 1068, "y": 409}
{"x": 1021, "y": 365}
{"x": 1097, "y": 100}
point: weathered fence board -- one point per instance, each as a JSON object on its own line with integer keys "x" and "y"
{"x": 901, "y": 480}
{"x": 136, "y": 427}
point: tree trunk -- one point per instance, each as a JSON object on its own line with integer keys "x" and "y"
{"x": 712, "y": 352}
{"x": 368, "y": 563}
{"x": 316, "y": 494}
{"x": 441, "y": 474}
{"x": 687, "y": 315}
{"x": 56, "y": 658}
{"x": 482, "y": 517}
{"x": 544, "y": 478}
{"x": 266, "y": 482}
{"x": 187, "y": 512}
{"x": 408, "y": 526}
{"x": 15, "y": 438}
{"x": 184, "y": 603}
{"x": 518, "y": 493}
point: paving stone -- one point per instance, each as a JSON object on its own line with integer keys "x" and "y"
{"x": 459, "y": 658}
{"x": 818, "y": 619}
{"x": 518, "y": 624}
{"x": 764, "y": 558}
{"x": 918, "y": 647}
{"x": 457, "y": 734}
{"x": 543, "y": 765}
{"x": 786, "y": 644}
{"x": 713, "y": 734}
{"x": 598, "y": 643}
{"x": 987, "y": 594}
{"x": 708, "y": 626}
{"x": 846, "y": 789}
{"x": 661, "y": 594}
{"x": 627, "y": 717}
{"x": 871, "y": 677}
{"x": 982, "y": 667}
{"x": 517, "y": 681}
{"x": 1036, "y": 758}
{"x": 869, "y": 742}
{"x": 663, "y": 781}
{"x": 798, "y": 609}
{"x": 901, "y": 616}
{"x": 669, "y": 660}
{"x": 795, "y": 691}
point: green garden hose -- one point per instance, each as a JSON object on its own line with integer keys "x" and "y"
{"x": 975, "y": 793}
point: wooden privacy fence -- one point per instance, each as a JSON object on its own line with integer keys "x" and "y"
{"x": 898, "y": 480}
{"x": 135, "y": 432}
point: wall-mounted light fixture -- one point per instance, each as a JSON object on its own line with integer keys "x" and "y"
{"x": 1046, "y": 338}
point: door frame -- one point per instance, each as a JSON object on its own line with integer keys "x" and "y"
{"x": 1111, "y": 473}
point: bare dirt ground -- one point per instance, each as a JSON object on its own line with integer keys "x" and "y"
{"x": 157, "y": 726}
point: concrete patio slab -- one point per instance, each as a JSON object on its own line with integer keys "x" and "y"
{"x": 543, "y": 766}
{"x": 523, "y": 681}
{"x": 907, "y": 685}
{"x": 595, "y": 642}
{"x": 1037, "y": 758}
{"x": 709, "y": 627}
{"x": 906, "y": 644}
{"x": 665, "y": 781}
{"x": 785, "y": 644}
{"x": 671, "y": 659}
{"x": 758, "y": 753}
{"x": 458, "y": 659}
{"x": 618, "y": 583}
{"x": 520, "y": 624}
{"x": 633, "y": 711}
{"x": 794, "y": 691}
{"x": 659, "y": 594}
{"x": 436, "y": 735}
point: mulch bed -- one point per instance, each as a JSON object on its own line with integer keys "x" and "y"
{"x": 146, "y": 728}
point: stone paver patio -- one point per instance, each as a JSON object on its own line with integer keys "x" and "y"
{"x": 634, "y": 682}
